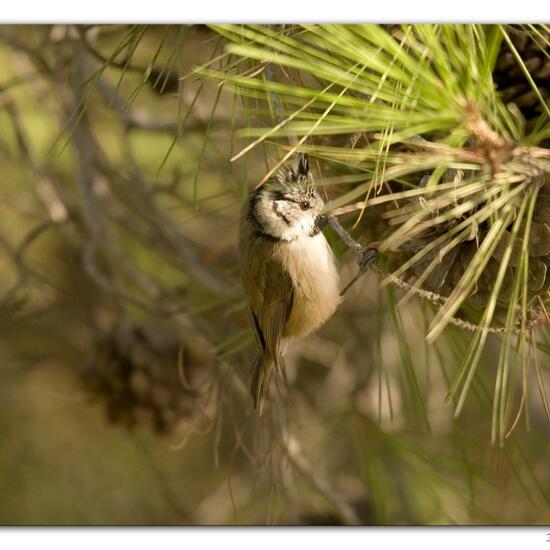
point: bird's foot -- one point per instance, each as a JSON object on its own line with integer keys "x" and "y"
{"x": 365, "y": 258}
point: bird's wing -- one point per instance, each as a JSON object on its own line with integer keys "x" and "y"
{"x": 270, "y": 308}
{"x": 271, "y": 300}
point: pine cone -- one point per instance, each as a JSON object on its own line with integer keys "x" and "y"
{"x": 136, "y": 373}
{"x": 446, "y": 274}
{"x": 444, "y": 278}
{"x": 512, "y": 82}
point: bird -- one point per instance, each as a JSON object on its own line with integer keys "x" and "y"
{"x": 287, "y": 267}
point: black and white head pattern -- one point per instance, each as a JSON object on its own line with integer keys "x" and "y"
{"x": 287, "y": 206}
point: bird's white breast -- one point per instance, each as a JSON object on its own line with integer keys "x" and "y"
{"x": 310, "y": 264}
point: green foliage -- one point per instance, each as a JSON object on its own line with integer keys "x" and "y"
{"x": 439, "y": 144}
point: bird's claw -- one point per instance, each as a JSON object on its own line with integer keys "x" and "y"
{"x": 367, "y": 256}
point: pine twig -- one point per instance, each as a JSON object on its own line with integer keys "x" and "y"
{"x": 366, "y": 258}
{"x": 366, "y": 255}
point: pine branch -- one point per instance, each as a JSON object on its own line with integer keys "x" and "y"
{"x": 365, "y": 255}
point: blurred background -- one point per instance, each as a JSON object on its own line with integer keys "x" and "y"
{"x": 125, "y": 345}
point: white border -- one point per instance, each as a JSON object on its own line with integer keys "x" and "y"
{"x": 279, "y": 11}
{"x": 273, "y": 538}
{"x": 242, "y": 11}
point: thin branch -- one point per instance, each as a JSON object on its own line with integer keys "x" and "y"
{"x": 24, "y": 272}
{"x": 47, "y": 190}
{"x": 367, "y": 255}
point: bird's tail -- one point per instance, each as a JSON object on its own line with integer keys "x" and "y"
{"x": 264, "y": 366}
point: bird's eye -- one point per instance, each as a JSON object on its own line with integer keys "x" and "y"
{"x": 304, "y": 205}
